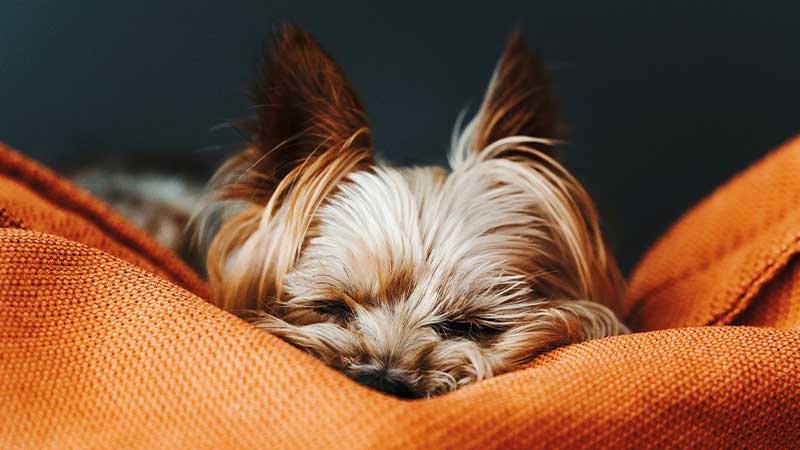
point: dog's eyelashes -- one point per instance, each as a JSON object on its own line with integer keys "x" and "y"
{"x": 336, "y": 309}
{"x": 464, "y": 329}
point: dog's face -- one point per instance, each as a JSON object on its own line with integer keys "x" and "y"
{"x": 413, "y": 281}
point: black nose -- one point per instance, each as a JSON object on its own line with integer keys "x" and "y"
{"x": 379, "y": 380}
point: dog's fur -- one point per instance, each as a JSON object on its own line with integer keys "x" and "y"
{"x": 414, "y": 281}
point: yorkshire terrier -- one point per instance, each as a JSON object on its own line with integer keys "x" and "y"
{"x": 414, "y": 281}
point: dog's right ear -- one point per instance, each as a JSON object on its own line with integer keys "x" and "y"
{"x": 309, "y": 133}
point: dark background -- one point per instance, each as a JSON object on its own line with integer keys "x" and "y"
{"x": 665, "y": 99}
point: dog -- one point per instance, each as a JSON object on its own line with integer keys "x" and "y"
{"x": 158, "y": 192}
{"x": 414, "y": 281}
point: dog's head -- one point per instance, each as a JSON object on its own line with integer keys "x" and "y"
{"x": 414, "y": 281}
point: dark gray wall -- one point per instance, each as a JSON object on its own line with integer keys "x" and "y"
{"x": 665, "y": 99}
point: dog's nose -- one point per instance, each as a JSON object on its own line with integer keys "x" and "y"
{"x": 379, "y": 380}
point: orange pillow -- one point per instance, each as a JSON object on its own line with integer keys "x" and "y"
{"x": 732, "y": 258}
{"x": 34, "y": 198}
{"x": 98, "y": 348}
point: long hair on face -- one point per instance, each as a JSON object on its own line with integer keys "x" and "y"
{"x": 414, "y": 281}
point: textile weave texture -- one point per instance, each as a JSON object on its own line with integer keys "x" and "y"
{"x": 106, "y": 341}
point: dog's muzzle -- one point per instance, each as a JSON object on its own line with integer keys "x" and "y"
{"x": 380, "y": 381}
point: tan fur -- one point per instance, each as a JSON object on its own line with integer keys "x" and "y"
{"x": 415, "y": 279}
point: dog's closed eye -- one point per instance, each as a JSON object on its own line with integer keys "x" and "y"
{"x": 465, "y": 329}
{"x": 336, "y": 309}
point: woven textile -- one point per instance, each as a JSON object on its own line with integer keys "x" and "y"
{"x": 100, "y": 346}
{"x": 38, "y": 199}
{"x": 715, "y": 262}
{"x": 779, "y": 304}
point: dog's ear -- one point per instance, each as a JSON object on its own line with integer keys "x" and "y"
{"x": 309, "y": 134}
{"x": 518, "y": 102}
{"x": 513, "y": 137}
{"x": 306, "y": 109}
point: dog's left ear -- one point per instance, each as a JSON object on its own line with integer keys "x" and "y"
{"x": 518, "y": 101}
{"x": 518, "y": 121}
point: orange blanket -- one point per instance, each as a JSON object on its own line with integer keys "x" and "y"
{"x": 105, "y": 341}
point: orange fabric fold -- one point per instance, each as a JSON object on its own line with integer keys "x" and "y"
{"x": 717, "y": 260}
{"x": 34, "y": 196}
{"x": 106, "y": 342}
{"x": 99, "y": 353}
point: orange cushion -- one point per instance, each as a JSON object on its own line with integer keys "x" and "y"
{"x": 732, "y": 258}
{"x": 34, "y": 198}
{"x": 98, "y": 350}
